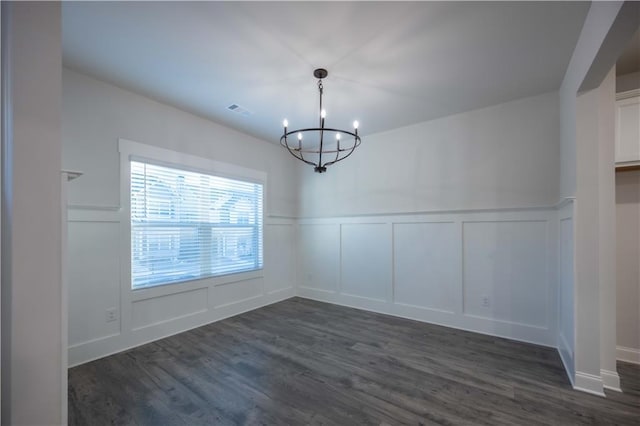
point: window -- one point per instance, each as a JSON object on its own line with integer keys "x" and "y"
{"x": 187, "y": 225}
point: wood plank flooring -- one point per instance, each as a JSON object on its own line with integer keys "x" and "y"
{"x": 301, "y": 362}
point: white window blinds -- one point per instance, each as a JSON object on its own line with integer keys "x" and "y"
{"x": 187, "y": 225}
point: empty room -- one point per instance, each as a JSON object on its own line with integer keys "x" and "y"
{"x": 327, "y": 213}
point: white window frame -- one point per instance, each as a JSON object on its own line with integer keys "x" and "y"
{"x": 138, "y": 151}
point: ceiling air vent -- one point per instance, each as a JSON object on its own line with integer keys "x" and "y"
{"x": 239, "y": 110}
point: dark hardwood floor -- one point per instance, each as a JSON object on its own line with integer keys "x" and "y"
{"x": 302, "y": 362}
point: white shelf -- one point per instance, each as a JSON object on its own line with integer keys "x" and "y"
{"x": 72, "y": 174}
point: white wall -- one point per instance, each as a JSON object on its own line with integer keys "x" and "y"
{"x": 32, "y": 370}
{"x": 497, "y": 157}
{"x": 587, "y": 289}
{"x": 95, "y": 115}
{"x": 586, "y": 173}
{"x": 607, "y": 230}
{"x": 597, "y": 26}
{"x": 628, "y": 267}
{"x": 595, "y": 239}
{"x": 450, "y": 221}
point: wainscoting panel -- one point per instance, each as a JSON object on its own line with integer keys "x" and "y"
{"x": 416, "y": 266}
{"x": 93, "y": 280}
{"x": 505, "y": 271}
{"x": 279, "y": 257}
{"x": 426, "y": 260}
{"x": 231, "y": 293}
{"x": 166, "y": 308}
{"x": 491, "y": 272}
{"x": 365, "y": 260}
{"x": 319, "y": 248}
{"x": 97, "y": 290}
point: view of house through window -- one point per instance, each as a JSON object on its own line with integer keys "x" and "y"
{"x": 187, "y": 225}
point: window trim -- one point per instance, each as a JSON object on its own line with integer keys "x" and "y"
{"x": 130, "y": 150}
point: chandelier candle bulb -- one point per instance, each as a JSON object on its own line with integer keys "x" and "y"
{"x": 316, "y": 153}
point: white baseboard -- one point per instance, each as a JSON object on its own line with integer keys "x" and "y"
{"x": 610, "y": 380}
{"x": 512, "y": 331}
{"x": 589, "y": 383}
{"x": 631, "y": 355}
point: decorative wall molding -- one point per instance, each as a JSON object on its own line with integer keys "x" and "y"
{"x": 420, "y": 260}
{"x": 281, "y": 291}
{"x": 150, "y": 314}
{"x": 108, "y": 208}
{"x": 93, "y": 341}
{"x": 311, "y": 291}
{"x": 503, "y": 220}
{"x": 564, "y": 201}
{"x": 280, "y": 217}
{"x": 628, "y": 94}
{"x": 82, "y": 212}
{"x": 424, "y": 308}
{"x": 238, "y": 302}
{"x": 108, "y": 345}
{"x": 157, "y": 310}
{"x": 446, "y": 211}
{"x": 111, "y": 213}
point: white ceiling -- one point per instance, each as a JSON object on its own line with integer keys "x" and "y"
{"x": 629, "y": 61}
{"x": 390, "y": 64}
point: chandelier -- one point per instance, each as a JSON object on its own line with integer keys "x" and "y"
{"x": 319, "y": 150}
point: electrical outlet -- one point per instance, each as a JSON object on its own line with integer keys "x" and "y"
{"x": 111, "y": 315}
{"x": 486, "y": 301}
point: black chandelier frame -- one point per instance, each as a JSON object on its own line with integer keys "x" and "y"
{"x": 339, "y": 153}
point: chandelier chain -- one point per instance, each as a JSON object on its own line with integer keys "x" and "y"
{"x": 321, "y": 90}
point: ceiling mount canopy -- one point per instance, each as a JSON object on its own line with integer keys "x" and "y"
{"x": 317, "y": 149}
